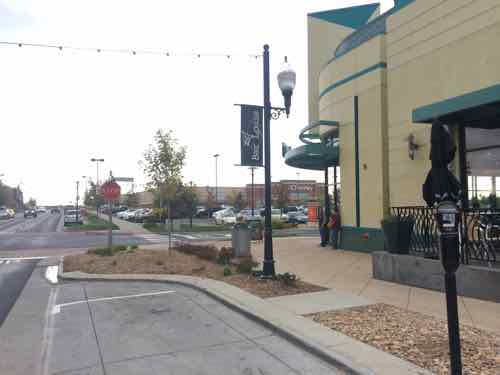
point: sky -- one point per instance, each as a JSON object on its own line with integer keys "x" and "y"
{"x": 59, "y": 109}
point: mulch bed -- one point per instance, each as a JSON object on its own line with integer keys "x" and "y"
{"x": 415, "y": 337}
{"x": 163, "y": 262}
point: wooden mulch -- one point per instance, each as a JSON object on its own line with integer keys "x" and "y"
{"x": 163, "y": 262}
{"x": 415, "y": 337}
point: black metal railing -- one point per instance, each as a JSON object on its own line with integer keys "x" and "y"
{"x": 479, "y": 233}
{"x": 424, "y": 237}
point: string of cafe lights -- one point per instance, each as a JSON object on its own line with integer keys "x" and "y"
{"x": 127, "y": 51}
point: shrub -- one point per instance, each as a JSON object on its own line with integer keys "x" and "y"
{"x": 206, "y": 252}
{"x": 104, "y": 251}
{"x": 245, "y": 265}
{"x": 225, "y": 255}
{"x": 287, "y": 278}
{"x": 227, "y": 271}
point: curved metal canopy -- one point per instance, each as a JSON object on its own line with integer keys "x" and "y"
{"x": 313, "y": 156}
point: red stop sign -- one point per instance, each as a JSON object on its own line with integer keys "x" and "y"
{"x": 111, "y": 191}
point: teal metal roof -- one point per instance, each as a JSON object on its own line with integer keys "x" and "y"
{"x": 314, "y": 156}
{"x": 353, "y": 17}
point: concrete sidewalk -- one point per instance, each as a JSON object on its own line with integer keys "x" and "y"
{"x": 351, "y": 273}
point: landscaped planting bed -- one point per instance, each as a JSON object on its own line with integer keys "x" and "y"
{"x": 415, "y": 337}
{"x": 193, "y": 260}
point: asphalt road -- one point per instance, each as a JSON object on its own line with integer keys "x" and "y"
{"x": 13, "y": 277}
{"x": 118, "y": 328}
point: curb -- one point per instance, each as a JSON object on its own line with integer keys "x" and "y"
{"x": 296, "y": 329}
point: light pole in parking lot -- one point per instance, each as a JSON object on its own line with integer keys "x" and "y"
{"x": 77, "y": 198}
{"x": 96, "y": 161}
{"x": 216, "y": 156}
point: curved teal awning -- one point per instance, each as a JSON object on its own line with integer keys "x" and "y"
{"x": 313, "y": 156}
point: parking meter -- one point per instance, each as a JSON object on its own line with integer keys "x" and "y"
{"x": 448, "y": 219}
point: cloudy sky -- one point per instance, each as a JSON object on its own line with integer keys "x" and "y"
{"x": 61, "y": 108}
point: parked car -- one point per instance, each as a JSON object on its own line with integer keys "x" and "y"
{"x": 30, "y": 212}
{"x": 5, "y": 213}
{"x": 247, "y": 216}
{"x": 117, "y": 209}
{"x": 226, "y": 216}
{"x": 130, "y": 213}
{"x": 140, "y": 215}
{"x": 296, "y": 218}
{"x": 208, "y": 213}
{"x": 72, "y": 217}
{"x": 55, "y": 211}
{"x": 122, "y": 214}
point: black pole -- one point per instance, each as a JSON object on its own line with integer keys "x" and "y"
{"x": 327, "y": 207}
{"x": 450, "y": 283}
{"x": 335, "y": 199}
{"x": 268, "y": 264}
{"x": 253, "y": 192}
{"x": 462, "y": 155}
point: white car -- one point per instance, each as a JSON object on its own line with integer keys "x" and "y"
{"x": 5, "y": 213}
{"x": 226, "y": 216}
{"x": 131, "y": 213}
{"x": 72, "y": 217}
{"x": 124, "y": 214}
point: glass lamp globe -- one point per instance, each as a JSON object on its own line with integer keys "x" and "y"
{"x": 286, "y": 82}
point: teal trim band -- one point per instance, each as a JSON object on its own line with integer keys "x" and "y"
{"x": 380, "y": 65}
{"x": 353, "y": 17}
{"x": 328, "y": 122}
{"x": 362, "y": 239}
{"x": 356, "y": 156}
{"x": 428, "y": 113}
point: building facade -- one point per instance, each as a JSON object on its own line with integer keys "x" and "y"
{"x": 297, "y": 192}
{"x": 382, "y": 79}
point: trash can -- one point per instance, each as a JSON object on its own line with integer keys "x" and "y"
{"x": 256, "y": 229}
{"x": 241, "y": 236}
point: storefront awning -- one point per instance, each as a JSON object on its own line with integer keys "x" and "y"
{"x": 313, "y": 156}
{"x": 478, "y": 109}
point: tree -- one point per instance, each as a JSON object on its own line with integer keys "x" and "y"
{"x": 93, "y": 197}
{"x": 162, "y": 163}
{"x": 31, "y": 202}
{"x": 238, "y": 202}
{"x": 3, "y": 194}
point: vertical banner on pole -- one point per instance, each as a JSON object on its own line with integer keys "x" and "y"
{"x": 251, "y": 136}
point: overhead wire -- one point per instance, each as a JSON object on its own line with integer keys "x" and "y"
{"x": 130, "y": 51}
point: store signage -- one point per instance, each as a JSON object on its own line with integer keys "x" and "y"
{"x": 251, "y": 136}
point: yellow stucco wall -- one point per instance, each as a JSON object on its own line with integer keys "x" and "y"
{"x": 323, "y": 38}
{"x": 338, "y": 104}
{"x": 436, "y": 50}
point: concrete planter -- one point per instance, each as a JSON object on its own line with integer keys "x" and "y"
{"x": 397, "y": 235}
{"x": 472, "y": 281}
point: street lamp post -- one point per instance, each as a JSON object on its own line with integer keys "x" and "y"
{"x": 286, "y": 81}
{"x": 96, "y": 161}
{"x": 216, "y": 156}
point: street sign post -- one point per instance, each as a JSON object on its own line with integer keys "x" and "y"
{"x": 111, "y": 192}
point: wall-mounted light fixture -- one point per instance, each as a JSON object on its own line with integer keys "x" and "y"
{"x": 412, "y": 146}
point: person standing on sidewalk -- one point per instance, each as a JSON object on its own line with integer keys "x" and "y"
{"x": 334, "y": 226}
{"x": 322, "y": 227}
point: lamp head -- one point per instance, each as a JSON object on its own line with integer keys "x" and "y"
{"x": 286, "y": 82}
